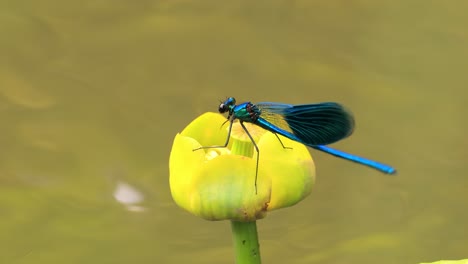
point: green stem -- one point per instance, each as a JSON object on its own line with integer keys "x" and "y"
{"x": 246, "y": 242}
{"x": 244, "y": 234}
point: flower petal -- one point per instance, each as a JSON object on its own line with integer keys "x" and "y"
{"x": 184, "y": 164}
{"x": 226, "y": 190}
{"x": 292, "y": 170}
{"x": 207, "y": 130}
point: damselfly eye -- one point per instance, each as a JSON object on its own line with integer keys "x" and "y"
{"x": 227, "y": 105}
{"x": 222, "y": 108}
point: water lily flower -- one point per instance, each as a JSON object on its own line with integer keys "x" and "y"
{"x": 219, "y": 183}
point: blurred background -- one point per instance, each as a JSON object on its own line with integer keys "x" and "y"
{"x": 92, "y": 94}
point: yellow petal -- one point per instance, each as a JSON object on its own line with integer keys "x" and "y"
{"x": 225, "y": 190}
{"x": 184, "y": 164}
{"x": 207, "y": 129}
{"x": 292, "y": 170}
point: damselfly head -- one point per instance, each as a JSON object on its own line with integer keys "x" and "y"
{"x": 227, "y": 105}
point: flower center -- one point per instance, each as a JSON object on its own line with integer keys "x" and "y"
{"x": 241, "y": 142}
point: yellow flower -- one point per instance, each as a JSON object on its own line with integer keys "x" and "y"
{"x": 217, "y": 184}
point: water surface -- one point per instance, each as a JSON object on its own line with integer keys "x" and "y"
{"x": 92, "y": 94}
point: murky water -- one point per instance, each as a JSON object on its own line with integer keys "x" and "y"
{"x": 92, "y": 94}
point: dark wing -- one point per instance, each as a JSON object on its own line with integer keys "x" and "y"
{"x": 310, "y": 124}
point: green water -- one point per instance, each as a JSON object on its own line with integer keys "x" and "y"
{"x": 92, "y": 94}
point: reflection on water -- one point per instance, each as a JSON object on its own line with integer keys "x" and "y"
{"x": 129, "y": 196}
{"x": 92, "y": 94}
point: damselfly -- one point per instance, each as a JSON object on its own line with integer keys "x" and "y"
{"x": 314, "y": 125}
